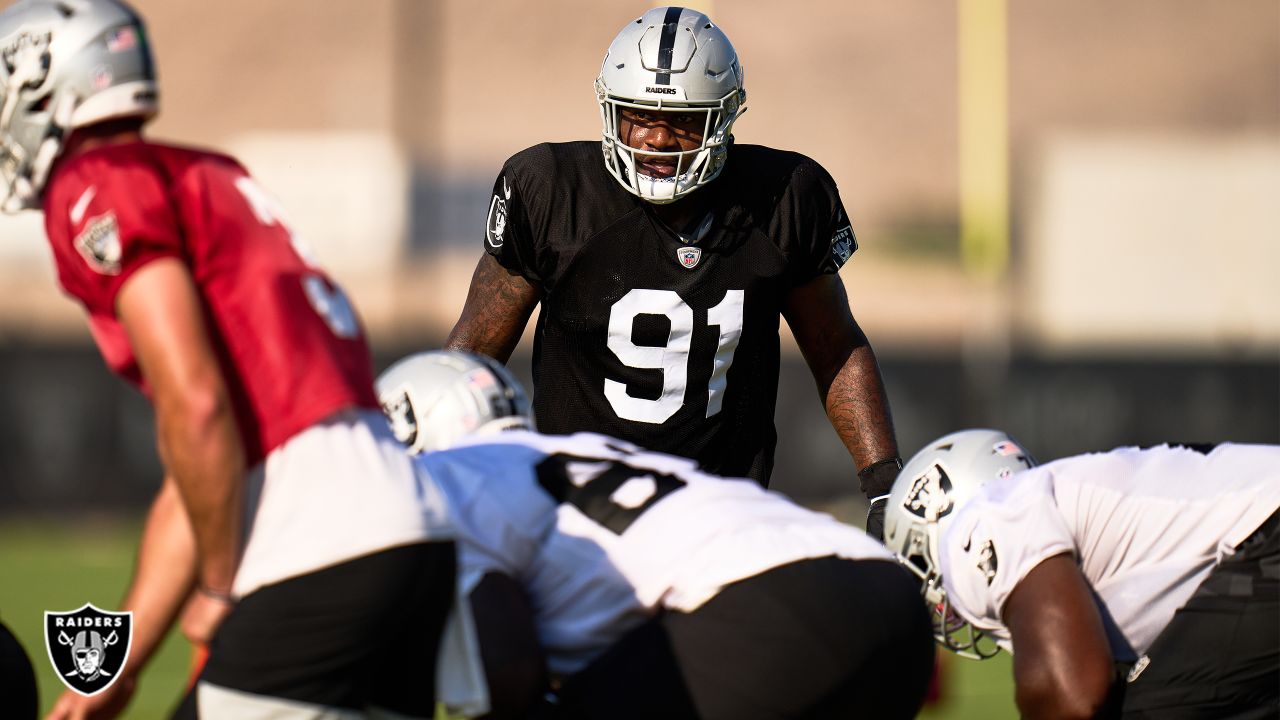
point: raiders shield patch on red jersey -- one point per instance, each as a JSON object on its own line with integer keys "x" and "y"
{"x": 99, "y": 244}
{"x": 689, "y": 256}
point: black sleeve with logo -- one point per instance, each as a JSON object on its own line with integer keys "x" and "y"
{"x": 507, "y": 232}
{"x": 811, "y": 224}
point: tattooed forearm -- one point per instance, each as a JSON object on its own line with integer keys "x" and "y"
{"x": 858, "y": 407}
{"x": 497, "y": 308}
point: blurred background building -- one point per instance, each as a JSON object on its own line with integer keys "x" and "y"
{"x": 1068, "y": 213}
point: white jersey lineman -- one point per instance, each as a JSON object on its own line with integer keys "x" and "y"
{"x": 601, "y": 534}
{"x": 1146, "y": 526}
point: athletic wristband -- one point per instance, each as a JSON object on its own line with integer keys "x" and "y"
{"x": 877, "y": 478}
{"x": 216, "y": 594}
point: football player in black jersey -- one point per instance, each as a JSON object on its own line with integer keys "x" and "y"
{"x": 663, "y": 265}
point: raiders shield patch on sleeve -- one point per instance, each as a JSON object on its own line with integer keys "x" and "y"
{"x": 496, "y": 224}
{"x": 843, "y": 244}
{"x": 99, "y": 244}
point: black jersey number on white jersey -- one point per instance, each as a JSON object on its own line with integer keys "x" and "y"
{"x": 609, "y": 492}
{"x": 673, "y": 358}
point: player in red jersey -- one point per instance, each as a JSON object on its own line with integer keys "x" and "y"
{"x": 290, "y": 516}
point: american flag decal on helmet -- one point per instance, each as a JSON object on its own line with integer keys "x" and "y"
{"x": 1006, "y": 448}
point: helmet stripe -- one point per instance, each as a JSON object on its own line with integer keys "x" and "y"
{"x": 667, "y": 44}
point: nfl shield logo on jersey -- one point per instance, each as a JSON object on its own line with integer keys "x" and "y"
{"x": 88, "y": 647}
{"x": 689, "y": 256}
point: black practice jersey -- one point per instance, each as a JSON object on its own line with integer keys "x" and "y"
{"x": 668, "y": 342}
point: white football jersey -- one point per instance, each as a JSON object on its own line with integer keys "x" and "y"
{"x": 1145, "y": 526}
{"x": 601, "y": 534}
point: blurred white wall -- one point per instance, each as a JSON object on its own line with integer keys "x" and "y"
{"x": 1139, "y": 241}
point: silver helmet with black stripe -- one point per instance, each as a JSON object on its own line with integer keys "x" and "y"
{"x": 433, "y": 399}
{"x": 64, "y": 64}
{"x": 671, "y": 59}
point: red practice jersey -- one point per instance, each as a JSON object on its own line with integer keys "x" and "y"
{"x": 292, "y": 349}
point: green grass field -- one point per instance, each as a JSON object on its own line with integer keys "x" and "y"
{"x": 52, "y": 565}
{"x": 49, "y": 565}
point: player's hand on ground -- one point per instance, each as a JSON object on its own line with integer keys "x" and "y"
{"x": 202, "y": 616}
{"x": 105, "y": 705}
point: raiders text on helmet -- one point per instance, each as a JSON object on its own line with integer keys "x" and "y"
{"x": 928, "y": 491}
{"x": 64, "y": 64}
{"x": 435, "y": 398}
{"x": 672, "y": 59}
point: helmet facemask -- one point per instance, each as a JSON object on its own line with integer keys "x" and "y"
{"x": 949, "y": 629}
{"x": 694, "y": 168}
{"x": 28, "y": 134}
{"x": 940, "y": 478}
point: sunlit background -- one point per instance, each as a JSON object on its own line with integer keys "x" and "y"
{"x": 1068, "y": 212}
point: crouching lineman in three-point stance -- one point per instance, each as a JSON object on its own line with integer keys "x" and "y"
{"x": 656, "y": 590}
{"x": 1146, "y": 580}
{"x": 308, "y": 537}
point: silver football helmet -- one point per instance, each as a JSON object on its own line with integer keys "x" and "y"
{"x": 64, "y": 64}
{"x": 433, "y": 399}
{"x": 670, "y": 59}
{"x": 932, "y": 485}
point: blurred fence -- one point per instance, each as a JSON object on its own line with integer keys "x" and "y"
{"x": 74, "y": 439}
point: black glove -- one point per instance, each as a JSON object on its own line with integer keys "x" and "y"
{"x": 875, "y": 517}
{"x": 876, "y": 480}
